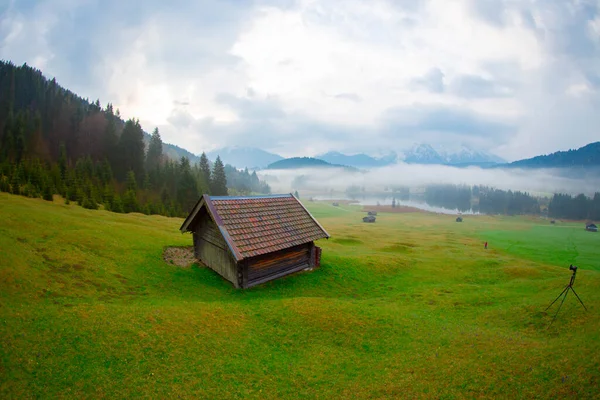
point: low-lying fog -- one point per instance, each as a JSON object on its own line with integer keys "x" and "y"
{"x": 334, "y": 182}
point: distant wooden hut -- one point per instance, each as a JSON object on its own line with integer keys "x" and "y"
{"x": 591, "y": 227}
{"x": 459, "y": 219}
{"x": 369, "y": 218}
{"x": 254, "y": 239}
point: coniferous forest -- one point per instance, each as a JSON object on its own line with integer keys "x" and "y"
{"x": 55, "y": 142}
{"x": 488, "y": 200}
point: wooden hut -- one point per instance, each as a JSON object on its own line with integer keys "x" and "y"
{"x": 591, "y": 227}
{"x": 254, "y": 239}
{"x": 369, "y": 218}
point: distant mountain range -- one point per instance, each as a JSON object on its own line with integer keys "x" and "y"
{"x": 254, "y": 158}
{"x": 586, "y": 156}
{"x": 460, "y": 156}
{"x": 358, "y": 160}
{"x": 305, "y": 162}
{"x": 172, "y": 151}
{"x": 244, "y": 157}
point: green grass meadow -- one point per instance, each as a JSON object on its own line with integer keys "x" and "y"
{"x": 409, "y": 307}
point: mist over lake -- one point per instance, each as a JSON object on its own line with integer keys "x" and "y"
{"x": 336, "y": 181}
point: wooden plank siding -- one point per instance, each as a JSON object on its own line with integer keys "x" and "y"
{"x": 212, "y": 250}
{"x": 274, "y": 265}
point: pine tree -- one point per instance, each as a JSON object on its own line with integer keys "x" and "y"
{"x": 187, "y": 190}
{"x": 111, "y": 140}
{"x": 154, "y": 154}
{"x": 117, "y": 205}
{"x": 131, "y": 150}
{"x": 62, "y": 162}
{"x": 218, "y": 183}
{"x": 146, "y": 184}
{"x": 17, "y": 180}
{"x": 131, "y": 183}
{"x": 7, "y": 142}
{"x": 130, "y": 202}
{"x": 19, "y": 137}
{"x": 47, "y": 192}
{"x": 89, "y": 203}
{"x": 205, "y": 173}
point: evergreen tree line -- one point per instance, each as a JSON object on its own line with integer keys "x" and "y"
{"x": 488, "y": 200}
{"x": 575, "y": 207}
{"x": 449, "y": 196}
{"x": 496, "y": 201}
{"x": 54, "y": 142}
{"x": 482, "y": 199}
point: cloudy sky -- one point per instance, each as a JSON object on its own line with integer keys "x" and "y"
{"x": 516, "y": 78}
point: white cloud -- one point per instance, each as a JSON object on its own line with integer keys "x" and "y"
{"x": 579, "y": 89}
{"x": 518, "y": 78}
{"x": 370, "y": 52}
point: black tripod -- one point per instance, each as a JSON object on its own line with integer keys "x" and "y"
{"x": 566, "y": 292}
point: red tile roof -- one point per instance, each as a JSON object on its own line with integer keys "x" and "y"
{"x": 257, "y": 225}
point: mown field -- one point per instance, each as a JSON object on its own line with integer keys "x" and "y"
{"x": 409, "y": 307}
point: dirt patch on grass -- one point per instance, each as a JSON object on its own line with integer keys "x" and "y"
{"x": 340, "y": 202}
{"x": 180, "y": 256}
{"x": 390, "y": 209}
{"x": 347, "y": 241}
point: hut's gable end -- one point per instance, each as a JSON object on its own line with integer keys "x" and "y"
{"x": 212, "y": 250}
{"x": 208, "y": 230}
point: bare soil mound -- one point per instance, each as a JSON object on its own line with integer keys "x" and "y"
{"x": 390, "y": 209}
{"x": 180, "y": 256}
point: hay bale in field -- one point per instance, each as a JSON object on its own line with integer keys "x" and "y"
{"x": 459, "y": 219}
{"x": 372, "y": 213}
{"x": 369, "y": 218}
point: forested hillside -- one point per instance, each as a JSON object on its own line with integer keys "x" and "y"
{"x": 55, "y": 142}
{"x": 306, "y": 162}
{"x": 586, "y": 156}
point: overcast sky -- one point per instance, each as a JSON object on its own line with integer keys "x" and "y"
{"x": 517, "y": 78}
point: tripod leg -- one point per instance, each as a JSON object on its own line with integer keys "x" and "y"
{"x": 561, "y": 293}
{"x": 561, "y": 303}
{"x": 574, "y": 292}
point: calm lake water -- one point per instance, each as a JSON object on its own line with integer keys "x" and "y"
{"x": 416, "y": 204}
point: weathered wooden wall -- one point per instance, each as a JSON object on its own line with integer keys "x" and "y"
{"x": 211, "y": 249}
{"x": 274, "y": 265}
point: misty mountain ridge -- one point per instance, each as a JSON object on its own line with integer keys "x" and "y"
{"x": 358, "y": 160}
{"x": 587, "y": 156}
{"x": 244, "y": 157}
{"x": 172, "y": 151}
{"x": 423, "y": 153}
{"x": 306, "y": 162}
{"x": 462, "y": 155}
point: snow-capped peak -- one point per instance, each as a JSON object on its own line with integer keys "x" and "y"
{"x": 424, "y": 153}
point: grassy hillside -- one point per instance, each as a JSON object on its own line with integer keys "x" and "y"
{"x": 411, "y": 306}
